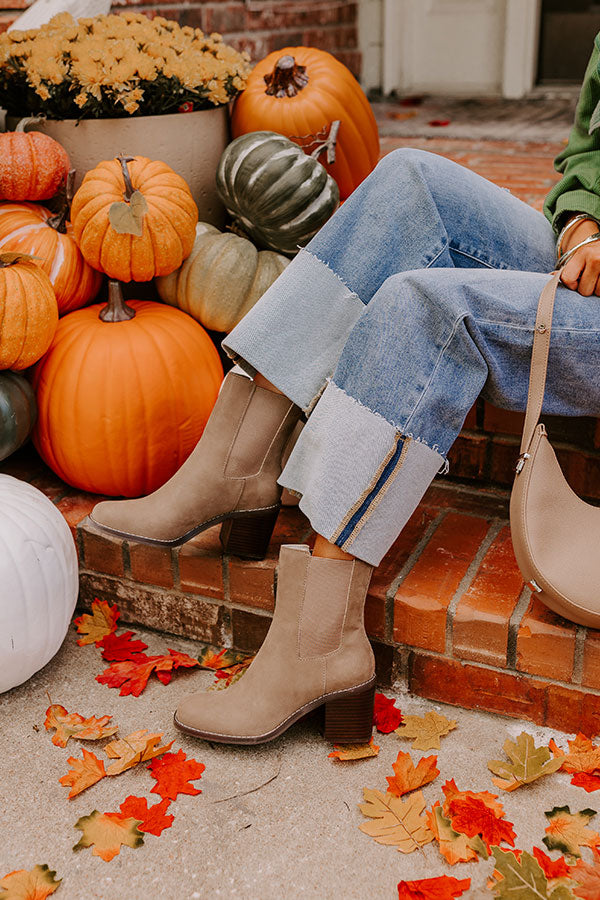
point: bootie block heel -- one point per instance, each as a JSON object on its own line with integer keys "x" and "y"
{"x": 248, "y": 536}
{"x": 349, "y": 718}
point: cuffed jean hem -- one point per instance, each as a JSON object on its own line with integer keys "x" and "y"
{"x": 358, "y": 494}
{"x": 313, "y": 307}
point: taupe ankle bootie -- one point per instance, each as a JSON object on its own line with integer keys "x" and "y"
{"x": 316, "y": 653}
{"x": 230, "y": 477}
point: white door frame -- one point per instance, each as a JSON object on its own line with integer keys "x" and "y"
{"x": 521, "y": 44}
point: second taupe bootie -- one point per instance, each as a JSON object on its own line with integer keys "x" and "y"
{"x": 316, "y": 653}
{"x": 230, "y": 477}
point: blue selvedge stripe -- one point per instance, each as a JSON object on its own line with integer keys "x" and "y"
{"x": 362, "y": 509}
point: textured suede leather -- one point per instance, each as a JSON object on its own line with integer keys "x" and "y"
{"x": 234, "y": 467}
{"x": 289, "y": 670}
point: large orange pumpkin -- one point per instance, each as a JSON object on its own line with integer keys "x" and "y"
{"x": 300, "y": 92}
{"x": 32, "y": 165}
{"x": 122, "y": 401}
{"x": 134, "y": 218}
{"x": 29, "y": 228}
{"x": 28, "y": 312}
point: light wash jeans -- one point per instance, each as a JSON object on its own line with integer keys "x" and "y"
{"x": 419, "y": 294}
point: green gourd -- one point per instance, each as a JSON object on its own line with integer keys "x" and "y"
{"x": 18, "y": 412}
{"x": 221, "y": 279}
{"x": 274, "y": 192}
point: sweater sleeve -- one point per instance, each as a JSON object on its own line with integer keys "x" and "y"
{"x": 579, "y": 188}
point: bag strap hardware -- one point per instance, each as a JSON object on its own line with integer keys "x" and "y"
{"x": 521, "y": 461}
{"x": 534, "y": 586}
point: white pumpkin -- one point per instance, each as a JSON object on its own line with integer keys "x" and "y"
{"x": 221, "y": 279}
{"x": 38, "y": 580}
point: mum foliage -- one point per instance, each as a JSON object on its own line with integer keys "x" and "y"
{"x": 115, "y": 66}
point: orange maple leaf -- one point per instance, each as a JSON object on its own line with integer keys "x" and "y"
{"x": 583, "y": 755}
{"x": 73, "y": 725}
{"x": 36, "y": 884}
{"x": 107, "y": 832}
{"x": 152, "y": 819}
{"x": 454, "y": 847}
{"x": 102, "y": 621}
{"x": 471, "y": 816}
{"x": 84, "y": 773}
{"x": 354, "y": 751}
{"x": 173, "y": 773}
{"x": 138, "y": 747}
{"x": 552, "y": 868}
{"x": 451, "y": 792}
{"x": 407, "y": 777}
{"x": 131, "y": 675}
{"x": 443, "y": 887}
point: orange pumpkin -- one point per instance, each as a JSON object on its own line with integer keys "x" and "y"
{"x": 134, "y": 218}
{"x": 28, "y": 312}
{"x": 123, "y": 395}
{"x": 27, "y": 228}
{"x": 300, "y": 92}
{"x": 32, "y": 165}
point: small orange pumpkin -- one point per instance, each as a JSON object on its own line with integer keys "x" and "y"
{"x": 28, "y": 311}
{"x": 32, "y": 165}
{"x": 300, "y": 92}
{"x": 134, "y": 218}
{"x": 28, "y": 228}
{"x": 123, "y": 394}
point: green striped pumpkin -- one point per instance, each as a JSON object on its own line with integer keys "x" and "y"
{"x": 274, "y": 192}
{"x": 18, "y": 412}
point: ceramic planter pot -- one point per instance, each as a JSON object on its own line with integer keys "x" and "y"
{"x": 191, "y": 143}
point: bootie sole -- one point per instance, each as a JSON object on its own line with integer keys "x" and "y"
{"x": 347, "y": 719}
{"x": 245, "y": 533}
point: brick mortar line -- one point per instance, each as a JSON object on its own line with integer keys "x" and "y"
{"x": 580, "y": 635}
{"x": 514, "y": 623}
{"x": 515, "y": 673}
{"x": 126, "y": 555}
{"x": 466, "y": 581}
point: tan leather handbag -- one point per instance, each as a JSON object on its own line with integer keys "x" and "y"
{"x": 556, "y": 535}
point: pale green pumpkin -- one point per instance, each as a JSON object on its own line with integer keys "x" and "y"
{"x": 221, "y": 279}
{"x": 274, "y": 192}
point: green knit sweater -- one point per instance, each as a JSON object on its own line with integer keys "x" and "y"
{"x": 579, "y": 188}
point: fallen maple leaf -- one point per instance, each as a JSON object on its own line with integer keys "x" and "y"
{"x": 73, "y": 725}
{"x": 230, "y": 674}
{"x": 444, "y": 887}
{"x": 426, "y": 730}
{"x": 151, "y": 819}
{"x": 471, "y": 817}
{"x": 523, "y": 878}
{"x": 131, "y": 675}
{"x": 552, "y": 868}
{"x": 84, "y": 773}
{"x": 583, "y": 755}
{"x": 102, "y": 621}
{"x": 588, "y": 781}
{"x": 453, "y": 846}
{"x": 33, "y": 884}
{"x": 173, "y": 773}
{"x": 138, "y": 747}
{"x": 451, "y": 792}
{"x": 222, "y": 659}
{"x": 407, "y": 778}
{"x": 587, "y": 877}
{"x": 528, "y": 763}
{"x": 386, "y": 715}
{"x": 354, "y": 751}
{"x": 108, "y": 832}
{"x": 120, "y": 646}
{"x": 395, "y": 822}
{"x": 567, "y": 831}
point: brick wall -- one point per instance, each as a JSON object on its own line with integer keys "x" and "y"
{"x": 258, "y": 26}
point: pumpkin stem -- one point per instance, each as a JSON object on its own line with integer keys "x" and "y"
{"x": 287, "y": 78}
{"x": 59, "y": 220}
{"x": 126, "y": 176}
{"x": 116, "y": 310}
{"x": 22, "y": 124}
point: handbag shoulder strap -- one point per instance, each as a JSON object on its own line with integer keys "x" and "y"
{"x": 539, "y": 359}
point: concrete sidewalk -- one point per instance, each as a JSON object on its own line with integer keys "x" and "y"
{"x": 297, "y": 836}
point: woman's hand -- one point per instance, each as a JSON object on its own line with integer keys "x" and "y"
{"x": 582, "y": 272}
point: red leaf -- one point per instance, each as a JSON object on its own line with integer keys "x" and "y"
{"x": 151, "y": 819}
{"x": 132, "y": 674}
{"x": 444, "y": 887}
{"x": 439, "y": 123}
{"x": 120, "y": 646}
{"x": 386, "y": 716}
{"x": 550, "y": 867}
{"x": 173, "y": 773}
{"x": 182, "y": 659}
{"x": 589, "y": 781}
{"x": 471, "y": 816}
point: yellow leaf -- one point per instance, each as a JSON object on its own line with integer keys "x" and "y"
{"x": 35, "y": 884}
{"x": 395, "y": 822}
{"x": 426, "y": 730}
{"x": 133, "y": 749}
{"x": 567, "y": 831}
{"x": 528, "y": 763}
{"x": 126, "y": 217}
{"x": 102, "y": 621}
{"x": 354, "y": 751}
{"x": 108, "y": 832}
